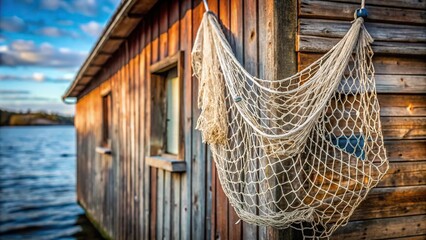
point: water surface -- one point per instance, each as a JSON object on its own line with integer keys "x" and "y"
{"x": 37, "y": 185}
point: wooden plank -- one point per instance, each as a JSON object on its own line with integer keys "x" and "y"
{"x": 164, "y": 26}
{"x": 209, "y": 218}
{"x": 115, "y": 149}
{"x": 392, "y": 105}
{"x": 167, "y": 164}
{"x": 404, "y": 127}
{"x": 198, "y": 174}
{"x": 147, "y": 190}
{"x": 155, "y": 29}
{"x": 404, "y": 174}
{"x": 383, "y": 65}
{"x": 186, "y": 36}
{"x": 213, "y": 221}
{"x": 284, "y": 27}
{"x": 392, "y": 202}
{"x": 164, "y": 184}
{"x": 400, "y": 84}
{"x": 414, "y": 4}
{"x": 141, "y": 130}
{"x": 406, "y": 150}
{"x": 127, "y": 172}
{"x": 222, "y": 204}
{"x": 175, "y": 194}
{"x": 418, "y": 237}
{"x": 345, "y": 11}
{"x": 160, "y": 204}
{"x": 379, "y": 31}
{"x": 315, "y": 44}
{"x": 251, "y": 36}
{"x": 138, "y": 133}
{"x": 135, "y": 144}
{"x": 383, "y": 228}
{"x": 167, "y": 208}
{"x": 132, "y": 156}
{"x": 103, "y": 150}
{"x": 123, "y": 117}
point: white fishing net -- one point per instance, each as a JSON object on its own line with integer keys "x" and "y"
{"x": 299, "y": 152}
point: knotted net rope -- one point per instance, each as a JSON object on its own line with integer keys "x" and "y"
{"x": 299, "y": 152}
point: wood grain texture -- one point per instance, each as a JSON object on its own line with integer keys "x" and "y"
{"x": 316, "y": 44}
{"x": 345, "y": 11}
{"x": 387, "y": 228}
{"x": 404, "y": 174}
{"x": 406, "y": 150}
{"x": 396, "y": 208}
{"x": 392, "y": 202}
{"x": 412, "y": 4}
{"x": 379, "y": 31}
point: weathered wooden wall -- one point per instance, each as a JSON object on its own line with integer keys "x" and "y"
{"x": 397, "y": 207}
{"x": 131, "y": 200}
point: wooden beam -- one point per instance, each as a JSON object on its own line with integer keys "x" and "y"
{"x": 103, "y": 150}
{"x": 104, "y": 53}
{"x": 315, "y": 44}
{"x": 116, "y": 38}
{"x": 135, "y": 15}
{"x": 165, "y": 163}
{"x": 95, "y": 65}
{"x": 167, "y": 63}
{"x": 344, "y": 11}
{"x": 379, "y": 31}
{"x": 386, "y": 228}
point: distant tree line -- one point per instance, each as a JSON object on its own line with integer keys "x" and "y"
{"x": 9, "y": 118}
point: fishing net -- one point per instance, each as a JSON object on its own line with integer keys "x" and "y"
{"x": 299, "y": 152}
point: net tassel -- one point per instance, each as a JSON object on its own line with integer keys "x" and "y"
{"x": 211, "y": 94}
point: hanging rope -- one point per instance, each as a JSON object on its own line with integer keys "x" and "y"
{"x": 299, "y": 152}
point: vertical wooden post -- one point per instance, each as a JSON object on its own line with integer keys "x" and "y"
{"x": 277, "y": 60}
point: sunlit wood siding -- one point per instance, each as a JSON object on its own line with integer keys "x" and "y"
{"x": 397, "y": 207}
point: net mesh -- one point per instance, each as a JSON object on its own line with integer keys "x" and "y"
{"x": 299, "y": 152}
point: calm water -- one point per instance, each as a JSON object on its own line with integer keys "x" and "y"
{"x": 37, "y": 185}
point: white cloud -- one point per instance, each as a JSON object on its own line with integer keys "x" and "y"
{"x": 65, "y": 22}
{"x": 69, "y": 76}
{"x": 4, "y": 48}
{"x": 84, "y": 7}
{"x": 22, "y": 45}
{"x": 56, "y": 32}
{"x": 26, "y": 53}
{"x": 92, "y": 28}
{"x": 14, "y": 92}
{"x": 38, "y": 77}
{"x": 12, "y": 24}
{"x": 51, "y": 31}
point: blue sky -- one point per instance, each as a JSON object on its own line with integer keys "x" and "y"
{"x": 42, "y": 45}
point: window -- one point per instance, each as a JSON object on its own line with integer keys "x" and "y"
{"x": 166, "y": 133}
{"x": 172, "y": 112}
{"x": 106, "y": 124}
{"x": 106, "y": 120}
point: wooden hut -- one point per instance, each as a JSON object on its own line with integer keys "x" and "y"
{"x": 140, "y": 176}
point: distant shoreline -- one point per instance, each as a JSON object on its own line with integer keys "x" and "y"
{"x": 8, "y": 118}
{"x": 41, "y": 125}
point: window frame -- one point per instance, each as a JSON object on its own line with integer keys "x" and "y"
{"x": 106, "y": 124}
{"x": 157, "y": 156}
